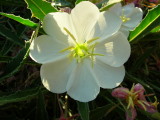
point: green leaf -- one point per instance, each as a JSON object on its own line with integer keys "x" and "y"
{"x": 78, "y": 1}
{"x": 152, "y": 36}
{"x": 40, "y": 8}
{"x": 7, "y": 46}
{"x": 156, "y": 116}
{"x": 156, "y": 29}
{"x": 151, "y": 20}
{"x": 20, "y": 96}
{"x": 21, "y": 20}
{"x": 13, "y": 66}
{"x": 10, "y": 35}
{"x": 100, "y": 112}
{"x": 83, "y": 109}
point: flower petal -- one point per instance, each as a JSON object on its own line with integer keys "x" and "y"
{"x": 116, "y": 50}
{"x": 107, "y": 24}
{"x": 116, "y": 9}
{"x": 127, "y": 9}
{"x": 135, "y": 17}
{"x": 45, "y": 49}
{"x": 108, "y": 77}
{"x": 82, "y": 85}
{"x": 55, "y": 75}
{"x": 121, "y": 92}
{"x": 54, "y": 24}
{"x": 84, "y": 17}
{"x": 124, "y": 30}
{"x": 140, "y": 91}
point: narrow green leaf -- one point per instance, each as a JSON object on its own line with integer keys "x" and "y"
{"x": 7, "y": 46}
{"x": 151, "y": 20}
{"x": 14, "y": 65}
{"x": 83, "y": 109}
{"x": 40, "y": 8}
{"x": 20, "y": 96}
{"x": 41, "y": 113}
{"x": 152, "y": 36}
{"x": 21, "y": 20}
{"x": 100, "y": 112}
{"x": 156, "y": 29}
{"x": 10, "y": 35}
{"x": 156, "y": 116}
{"x": 78, "y": 1}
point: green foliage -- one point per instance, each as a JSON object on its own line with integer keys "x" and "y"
{"x": 151, "y": 21}
{"x": 156, "y": 29}
{"x": 40, "y": 8}
{"x": 14, "y": 65}
{"x": 83, "y": 109}
{"x": 78, "y": 1}
{"x": 21, "y": 20}
{"x": 99, "y": 112}
{"x": 156, "y": 116}
{"x": 139, "y": 62}
{"x": 20, "y": 96}
{"x": 41, "y": 113}
{"x": 10, "y": 35}
{"x": 12, "y": 2}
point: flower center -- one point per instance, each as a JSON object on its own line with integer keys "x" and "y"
{"x": 81, "y": 51}
{"x": 133, "y": 99}
{"x": 123, "y": 17}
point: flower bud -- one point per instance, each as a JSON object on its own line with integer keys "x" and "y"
{"x": 140, "y": 91}
{"x": 121, "y": 92}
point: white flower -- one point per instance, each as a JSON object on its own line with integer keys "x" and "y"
{"x": 129, "y": 14}
{"x": 81, "y": 52}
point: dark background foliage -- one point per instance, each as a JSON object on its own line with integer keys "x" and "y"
{"x": 22, "y": 95}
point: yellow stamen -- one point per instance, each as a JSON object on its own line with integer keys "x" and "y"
{"x": 71, "y": 35}
{"x": 123, "y": 17}
{"x": 93, "y": 39}
{"x": 68, "y": 48}
{"x": 141, "y": 103}
{"x": 155, "y": 104}
{"x": 130, "y": 102}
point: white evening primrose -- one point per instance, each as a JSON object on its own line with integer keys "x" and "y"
{"x": 81, "y": 52}
{"x": 129, "y": 14}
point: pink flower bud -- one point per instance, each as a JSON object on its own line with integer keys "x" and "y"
{"x": 120, "y": 92}
{"x": 140, "y": 91}
{"x": 148, "y": 107}
{"x": 151, "y": 109}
